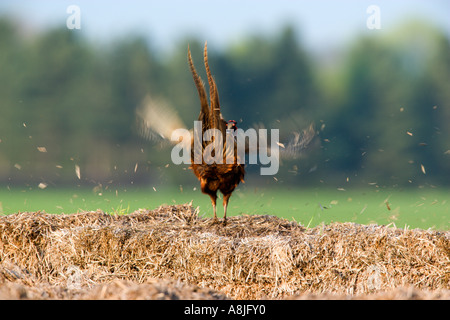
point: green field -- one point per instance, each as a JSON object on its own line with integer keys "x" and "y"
{"x": 419, "y": 208}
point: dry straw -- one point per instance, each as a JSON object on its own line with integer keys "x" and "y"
{"x": 172, "y": 253}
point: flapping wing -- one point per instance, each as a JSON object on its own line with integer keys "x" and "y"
{"x": 296, "y": 145}
{"x": 291, "y": 149}
{"x": 156, "y": 119}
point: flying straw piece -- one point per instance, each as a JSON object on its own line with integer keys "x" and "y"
{"x": 42, "y": 185}
{"x": 423, "y": 169}
{"x": 77, "y": 171}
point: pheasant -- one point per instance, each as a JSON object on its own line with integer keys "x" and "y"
{"x": 156, "y": 120}
{"x": 225, "y": 176}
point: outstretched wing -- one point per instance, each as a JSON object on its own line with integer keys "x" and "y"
{"x": 296, "y": 145}
{"x": 156, "y": 119}
{"x": 291, "y": 149}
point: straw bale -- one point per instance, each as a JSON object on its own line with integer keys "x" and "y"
{"x": 94, "y": 254}
{"x": 402, "y": 293}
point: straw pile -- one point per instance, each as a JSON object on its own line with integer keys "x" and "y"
{"x": 171, "y": 253}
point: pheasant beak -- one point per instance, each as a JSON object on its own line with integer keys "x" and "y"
{"x": 232, "y": 125}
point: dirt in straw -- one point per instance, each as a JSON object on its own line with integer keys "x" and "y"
{"x": 172, "y": 253}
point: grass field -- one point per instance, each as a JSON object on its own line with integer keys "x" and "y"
{"x": 420, "y": 208}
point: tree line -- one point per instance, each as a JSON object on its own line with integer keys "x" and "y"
{"x": 380, "y": 106}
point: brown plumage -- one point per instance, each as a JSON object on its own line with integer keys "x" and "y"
{"x": 157, "y": 121}
{"x": 214, "y": 177}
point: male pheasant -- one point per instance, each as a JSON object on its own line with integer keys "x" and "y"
{"x": 225, "y": 175}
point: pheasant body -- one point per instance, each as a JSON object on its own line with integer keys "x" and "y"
{"x": 223, "y": 176}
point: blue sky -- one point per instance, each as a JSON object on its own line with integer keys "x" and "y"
{"x": 320, "y": 23}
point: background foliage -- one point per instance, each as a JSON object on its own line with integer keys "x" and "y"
{"x": 381, "y": 106}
